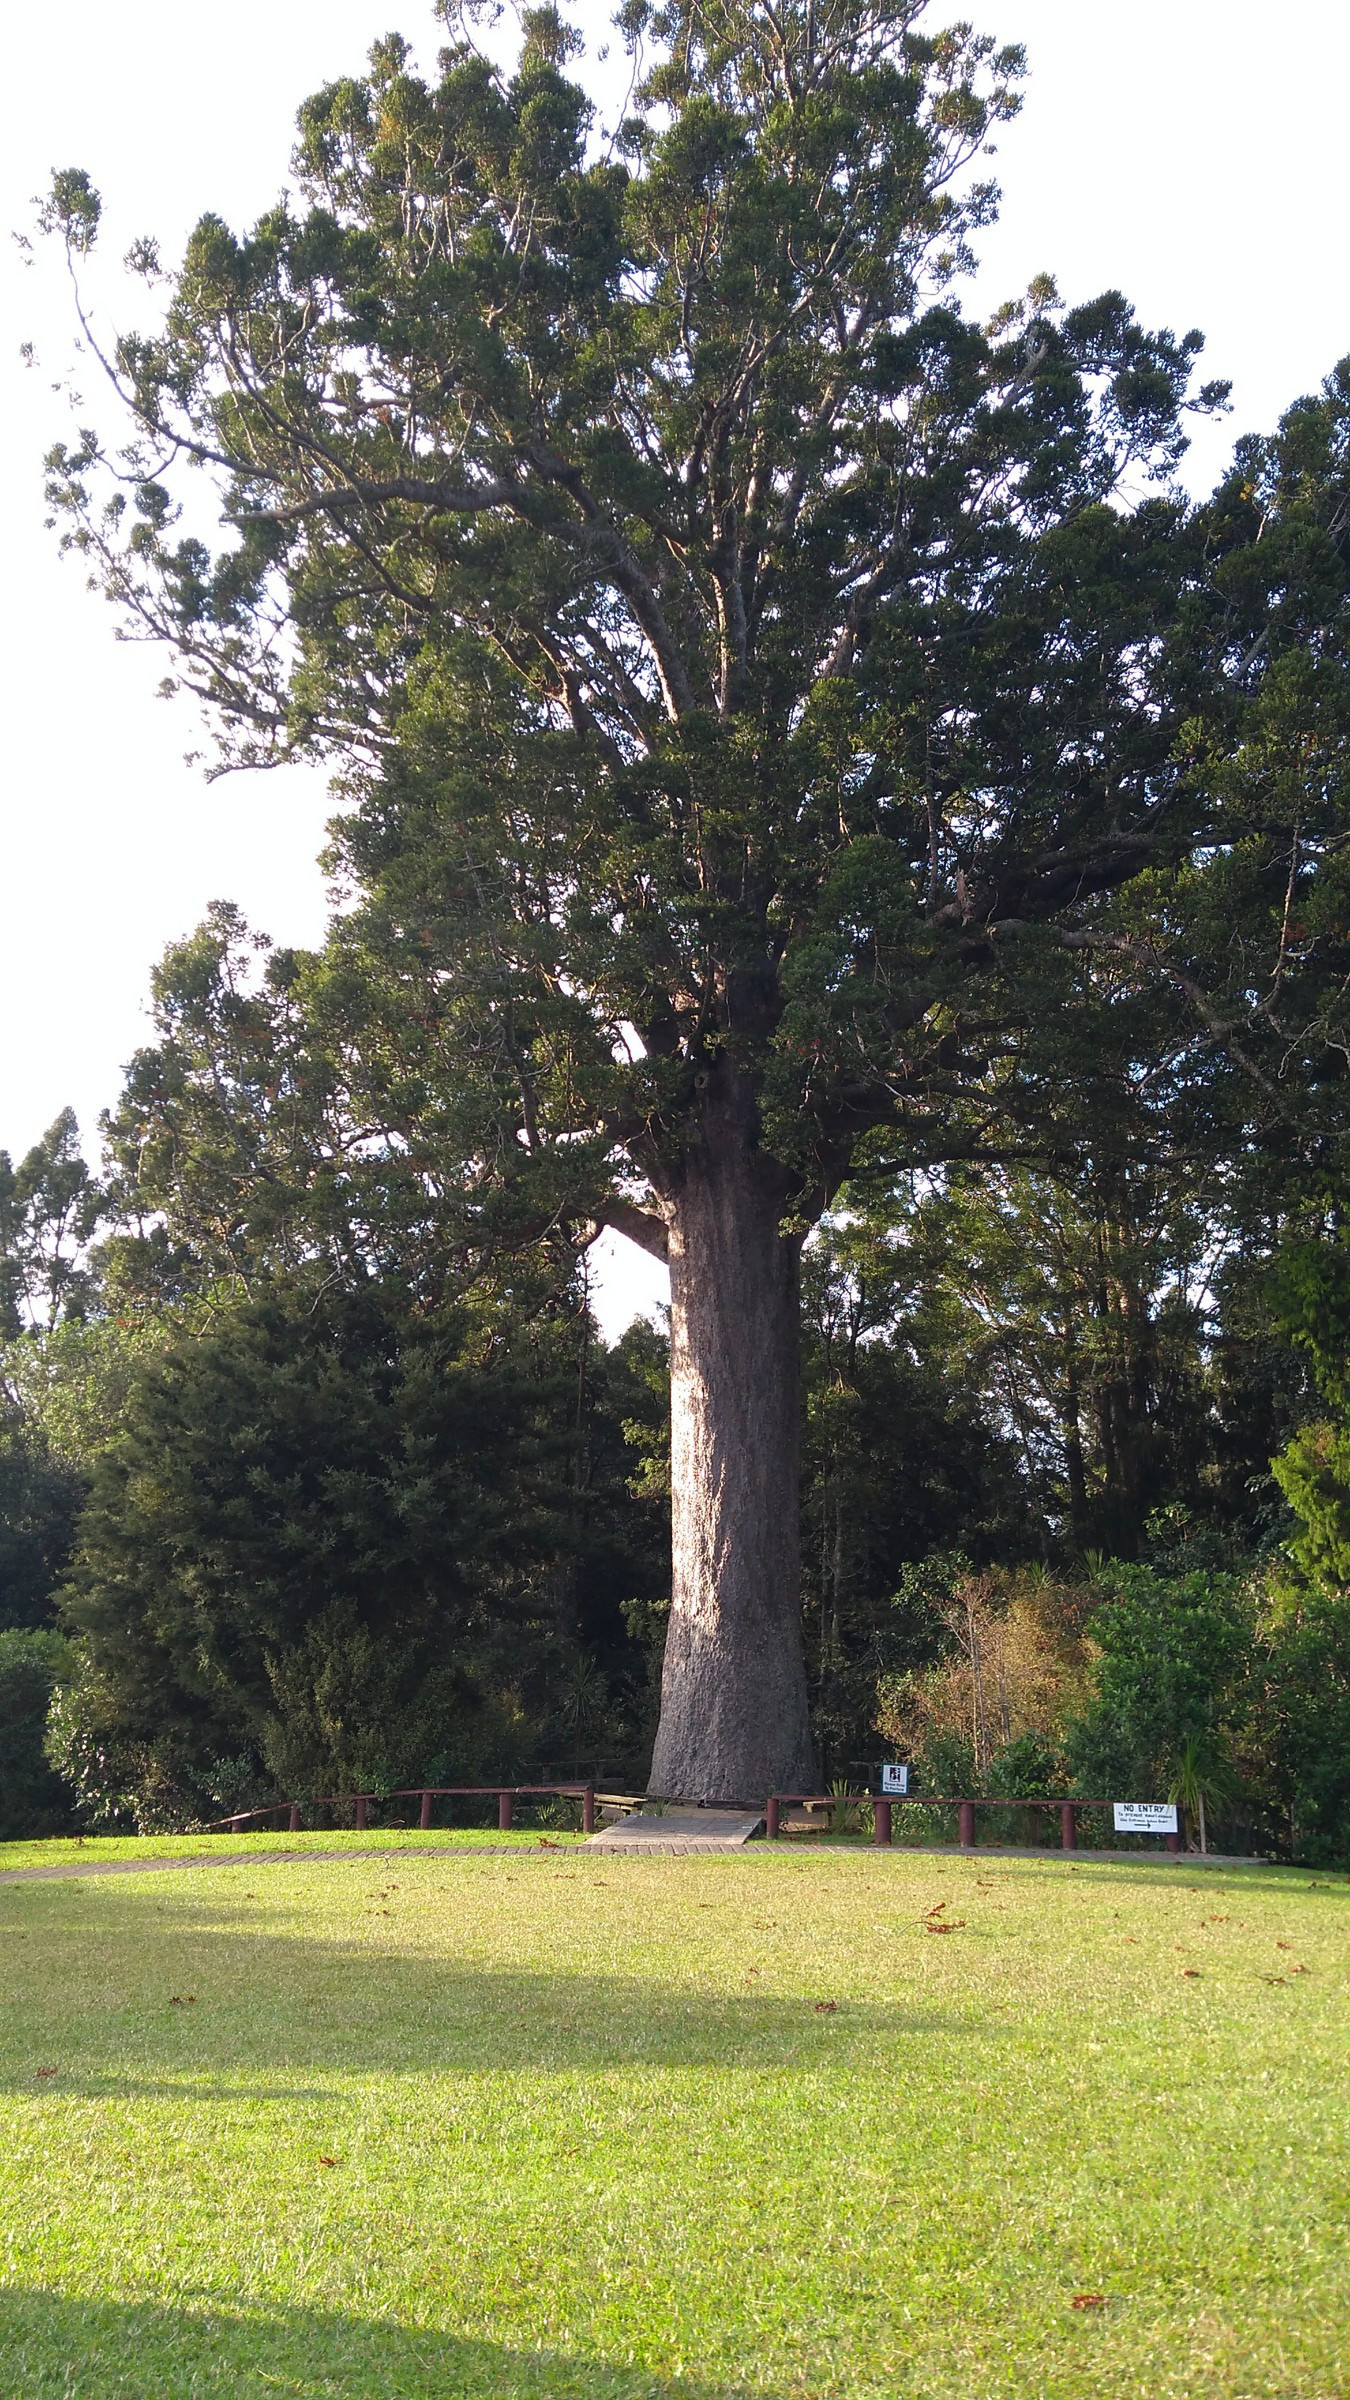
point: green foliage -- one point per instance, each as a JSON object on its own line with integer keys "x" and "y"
{"x": 945, "y": 1765}
{"x": 237, "y": 1124}
{"x": 661, "y": 548}
{"x": 1204, "y": 1773}
{"x": 73, "y": 1386}
{"x": 1076, "y": 1297}
{"x": 1111, "y": 1317}
{"x": 1305, "y": 1727}
{"x": 1312, "y": 1295}
{"x": 34, "y": 1665}
{"x": 1025, "y": 1768}
{"x": 49, "y": 1207}
{"x": 56, "y": 1406}
{"x": 1303, "y": 1737}
{"x": 312, "y": 1556}
{"x": 901, "y": 1461}
{"x": 1314, "y": 1475}
{"x": 1175, "y": 1656}
{"x": 40, "y": 1497}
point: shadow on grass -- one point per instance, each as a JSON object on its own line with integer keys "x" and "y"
{"x": 210, "y": 1994}
{"x": 56, "y": 2348}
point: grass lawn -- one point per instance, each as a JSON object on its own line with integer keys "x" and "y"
{"x": 91, "y": 1850}
{"x": 590, "y": 2128}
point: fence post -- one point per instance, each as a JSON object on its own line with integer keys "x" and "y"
{"x": 771, "y": 1818}
{"x": 588, "y": 1809}
{"x": 504, "y": 1811}
{"x": 362, "y": 1813}
{"x": 294, "y": 1826}
{"x": 236, "y": 1824}
{"x": 425, "y": 1819}
{"x": 1068, "y": 1825}
{"x": 1173, "y": 1841}
{"x": 881, "y": 1824}
{"x": 966, "y": 1828}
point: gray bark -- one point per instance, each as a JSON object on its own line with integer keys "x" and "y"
{"x": 734, "y": 1723}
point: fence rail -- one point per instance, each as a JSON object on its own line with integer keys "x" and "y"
{"x": 505, "y": 1795}
{"x": 881, "y": 1808}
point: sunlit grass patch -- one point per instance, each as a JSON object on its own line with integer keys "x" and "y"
{"x": 115, "y": 1849}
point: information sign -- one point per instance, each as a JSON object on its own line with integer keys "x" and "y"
{"x": 894, "y": 1779}
{"x": 1145, "y": 1816}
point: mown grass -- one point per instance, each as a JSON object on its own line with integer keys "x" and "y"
{"x": 596, "y": 2128}
{"x": 93, "y": 1850}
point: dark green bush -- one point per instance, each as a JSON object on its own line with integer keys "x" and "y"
{"x": 33, "y": 1799}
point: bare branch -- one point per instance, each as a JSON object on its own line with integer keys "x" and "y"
{"x": 637, "y": 1224}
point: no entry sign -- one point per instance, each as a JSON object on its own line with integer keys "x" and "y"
{"x": 1145, "y": 1816}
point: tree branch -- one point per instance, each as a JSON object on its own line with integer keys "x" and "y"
{"x": 638, "y": 1224}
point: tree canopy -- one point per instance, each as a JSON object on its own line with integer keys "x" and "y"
{"x": 734, "y": 643}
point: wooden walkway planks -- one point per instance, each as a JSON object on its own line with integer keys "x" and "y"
{"x": 679, "y": 1830}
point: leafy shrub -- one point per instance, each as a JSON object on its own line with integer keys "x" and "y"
{"x": 1305, "y": 1727}
{"x": 1175, "y": 1660}
{"x": 313, "y": 1545}
{"x": 1016, "y": 1665}
{"x": 34, "y": 1800}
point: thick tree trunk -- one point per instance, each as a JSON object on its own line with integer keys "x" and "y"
{"x": 734, "y": 1723}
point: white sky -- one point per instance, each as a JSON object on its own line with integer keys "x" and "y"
{"x": 1191, "y": 152}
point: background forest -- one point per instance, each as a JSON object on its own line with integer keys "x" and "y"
{"x": 289, "y": 1502}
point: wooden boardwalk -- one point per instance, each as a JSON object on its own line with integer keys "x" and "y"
{"x": 679, "y": 1830}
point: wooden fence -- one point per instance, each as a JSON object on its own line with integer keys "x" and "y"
{"x": 505, "y": 1795}
{"x": 881, "y": 1808}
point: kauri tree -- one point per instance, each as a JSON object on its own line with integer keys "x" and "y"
{"x": 746, "y": 670}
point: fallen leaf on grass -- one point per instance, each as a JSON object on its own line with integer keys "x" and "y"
{"x": 949, "y": 1925}
{"x": 933, "y": 1912}
{"x": 1190, "y": 1970}
{"x": 1088, "y": 2300}
{"x": 824, "y": 2008}
{"x": 1274, "y": 1979}
{"x": 328, "y": 2162}
{"x": 183, "y": 2000}
{"x": 1284, "y": 1945}
{"x": 44, "y": 2072}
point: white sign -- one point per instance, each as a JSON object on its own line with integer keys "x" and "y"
{"x": 1145, "y": 1816}
{"x": 895, "y": 1778}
